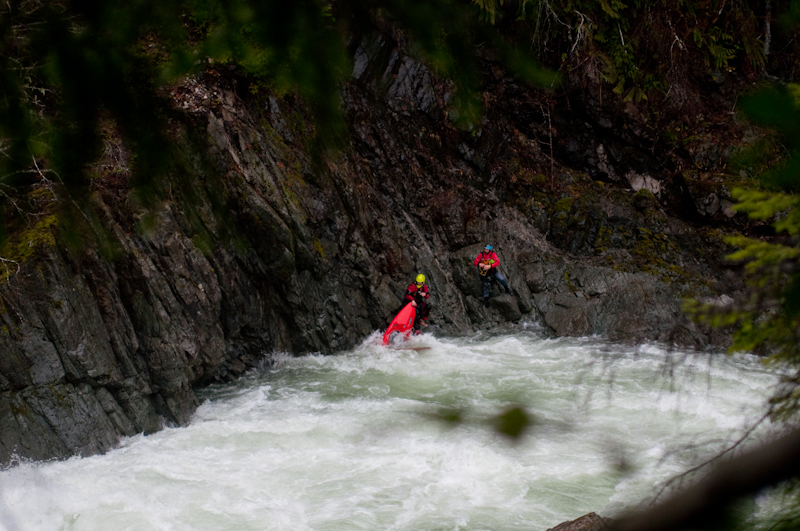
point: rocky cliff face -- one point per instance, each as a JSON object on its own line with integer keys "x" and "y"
{"x": 313, "y": 256}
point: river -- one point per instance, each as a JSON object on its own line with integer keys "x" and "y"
{"x": 361, "y": 440}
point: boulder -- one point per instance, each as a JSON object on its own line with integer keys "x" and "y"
{"x": 587, "y": 522}
{"x": 507, "y": 306}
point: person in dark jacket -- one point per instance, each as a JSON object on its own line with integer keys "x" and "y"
{"x": 418, "y": 294}
{"x": 487, "y": 263}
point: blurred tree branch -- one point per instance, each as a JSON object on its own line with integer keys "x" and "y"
{"x": 706, "y": 504}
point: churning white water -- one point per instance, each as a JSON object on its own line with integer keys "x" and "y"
{"x": 357, "y": 441}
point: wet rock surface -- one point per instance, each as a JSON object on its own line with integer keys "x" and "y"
{"x": 314, "y": 256}
{"x": 587, "y": 522}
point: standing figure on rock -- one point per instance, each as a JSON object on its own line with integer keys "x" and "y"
{"x": 418, "y": 294}
{"x": 487, "y": 263}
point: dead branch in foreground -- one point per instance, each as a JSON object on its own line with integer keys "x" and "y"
{"x": 704, "y": 504}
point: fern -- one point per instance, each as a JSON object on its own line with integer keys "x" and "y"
{"x": 721, "y": 55}
{"x": 489, "y": 9}
{"x": 612, "y": 7}
{"x": 718, "y": 45}
{"x": 754, "y": 49}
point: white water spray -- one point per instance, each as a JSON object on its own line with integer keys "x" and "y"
{"x": 355, "y": 441}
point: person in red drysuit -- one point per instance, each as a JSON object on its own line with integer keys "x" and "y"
{"x": 418, "y": 294}
{"x": 487, "y": 263}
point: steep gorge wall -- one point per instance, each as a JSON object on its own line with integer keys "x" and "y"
{"x": 92, "y": 349}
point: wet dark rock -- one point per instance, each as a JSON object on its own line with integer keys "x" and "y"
{"x": 92, "y": 350}
{"x": 710, "y": 199}
{"x": 507, "y": 306}
{"x": 587, "y": 522}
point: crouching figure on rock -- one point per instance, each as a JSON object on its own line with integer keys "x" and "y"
{"x": 487, "y": 263}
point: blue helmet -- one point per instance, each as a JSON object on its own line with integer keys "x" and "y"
{"x": 488, "y": 247}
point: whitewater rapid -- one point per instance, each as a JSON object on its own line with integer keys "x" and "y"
{"x": 358, "y": 441}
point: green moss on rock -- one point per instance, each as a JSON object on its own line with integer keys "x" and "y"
{"x": 20, "y": 247}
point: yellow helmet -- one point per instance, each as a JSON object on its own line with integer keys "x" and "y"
{"x": 420, "y": 279}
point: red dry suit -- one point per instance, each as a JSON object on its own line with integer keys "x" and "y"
{"x": 411, "y": 293}
{"x": 421, "y": 295}
{"x": 487, "y": 258}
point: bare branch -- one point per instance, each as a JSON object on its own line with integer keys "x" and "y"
{"x": 5, "y": 262}
{"x": 679, "y": 478}
{"x": 705, "y": 502}
{"x": 579, "y": 32}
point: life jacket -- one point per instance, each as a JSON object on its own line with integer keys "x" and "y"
{"x": 413, "y": 292}
{"x": 489, "y": 258}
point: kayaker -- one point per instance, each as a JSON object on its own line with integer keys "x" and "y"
{"x": 418, "y": 294}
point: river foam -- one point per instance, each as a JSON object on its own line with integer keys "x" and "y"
{"x": 357, "y": 441}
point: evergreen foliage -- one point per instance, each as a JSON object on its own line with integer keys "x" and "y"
{"x": 639, "y": 44}
{"x": 767, "y": 318}
{"x": 69, "y": 66}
